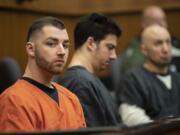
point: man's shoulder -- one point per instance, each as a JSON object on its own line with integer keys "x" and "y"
{"x": 77, "y": 74}
{"x": 138, "y": 74}
{"x": 78, "y": 79}
{"x": 139, "y": 70}
{"x": 17, "y": 88}
{"x": 19, "y": 92}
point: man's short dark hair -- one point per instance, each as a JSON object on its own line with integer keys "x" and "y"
{"x": 96, "y": 25}
{"x": 38, "y": 24}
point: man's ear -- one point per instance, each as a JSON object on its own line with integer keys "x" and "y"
{"x": 30, "y": 48}
{"x": 143, "y": 49}
{"x": 91, "y": 45}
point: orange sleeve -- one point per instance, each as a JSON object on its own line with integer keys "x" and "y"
{"x": 14, "y": 116}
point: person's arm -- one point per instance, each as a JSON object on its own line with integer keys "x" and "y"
{"x": 88, "y": 102}
{"x": 80, "y": 114}
{"x": 132, "y": 97}
{"x": 133, "y": 115}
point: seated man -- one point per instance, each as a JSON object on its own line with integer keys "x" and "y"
{"x": 151, "y": 91}
{"x": 34, "y": 102}
{"x": 133, "y": 57}
{"x": 95, "y": 42}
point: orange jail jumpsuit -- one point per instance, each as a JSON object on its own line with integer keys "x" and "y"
{"x": 25, "y": 107}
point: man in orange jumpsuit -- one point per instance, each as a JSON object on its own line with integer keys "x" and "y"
{"x": 34, "y": 102}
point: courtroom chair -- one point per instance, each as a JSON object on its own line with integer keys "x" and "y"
{"x": 9, "y": 72}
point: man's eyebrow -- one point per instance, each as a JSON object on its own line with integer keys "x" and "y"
{"x": 53, "y": 38}
{"x": 56, "y": 39}
{"x": 112, "y": 45}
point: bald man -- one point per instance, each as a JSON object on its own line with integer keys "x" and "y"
{"x": 151, "y": 91}
{"x": 153, "y": 15}
{"x": 133, "y": 57}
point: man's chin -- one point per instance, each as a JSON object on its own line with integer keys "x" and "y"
{"x": 105, "y": 68}
{"x": 56, "y": 72}
{"x": 165, "y": 64}
{"x": 162, "y": 63}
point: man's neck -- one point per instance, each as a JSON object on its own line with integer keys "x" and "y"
{"x": 38, "y": 75}
{"x": 80, "y": 59}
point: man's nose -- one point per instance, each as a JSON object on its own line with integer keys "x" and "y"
{"x": 113, "y": 55}
{"x": 166, "y": 47}
{"x": 60, "y": 49}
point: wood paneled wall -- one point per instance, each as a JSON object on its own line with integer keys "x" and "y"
{"x": 79, "y": 7}
{"x": 16, "y": 18}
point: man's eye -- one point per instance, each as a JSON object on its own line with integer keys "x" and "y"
{"x": 51, "y": 44}
{"x": 158, "y": 43}
{"x": 66, "y": 45}
{"x": 111, "y": 47}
